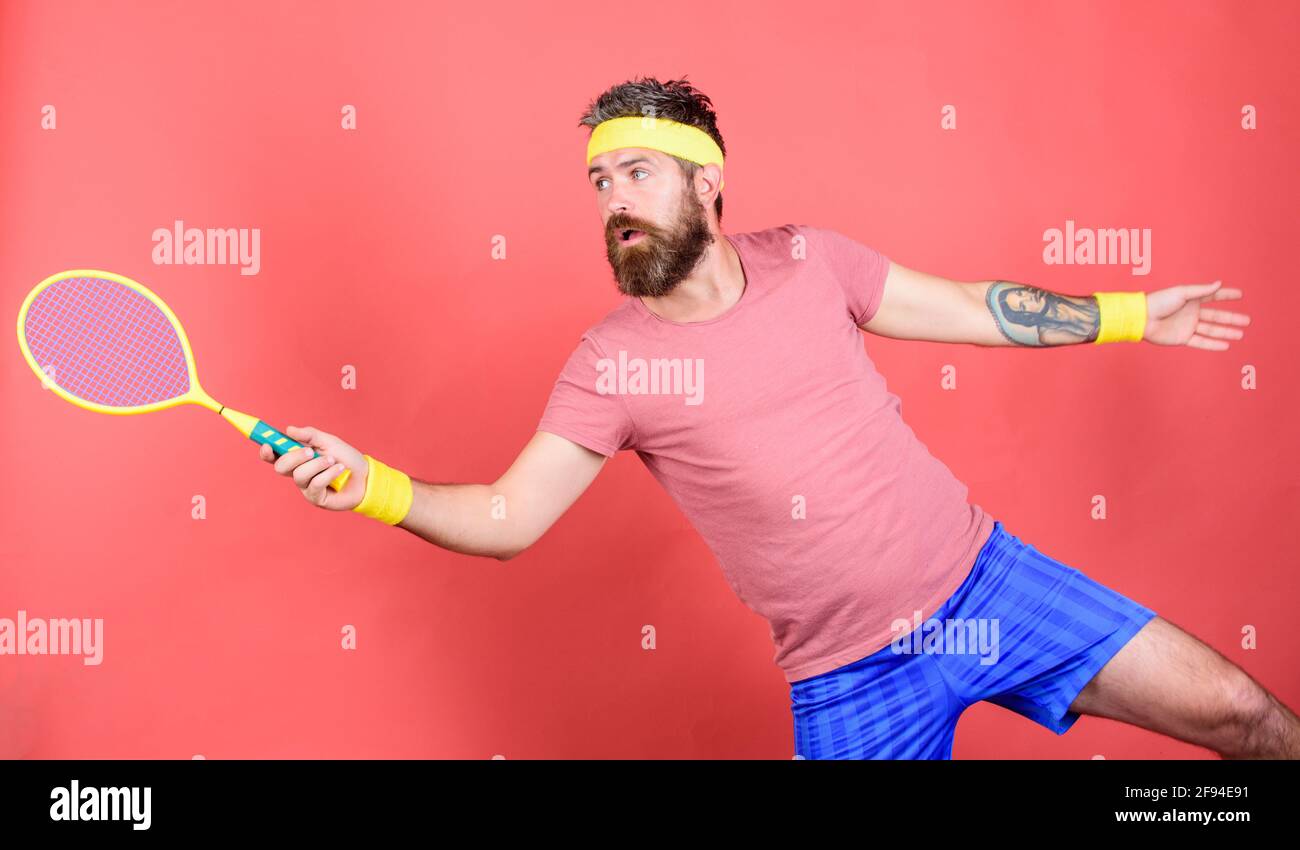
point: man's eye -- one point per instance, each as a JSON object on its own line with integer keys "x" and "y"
{"x": 634, "y": 171}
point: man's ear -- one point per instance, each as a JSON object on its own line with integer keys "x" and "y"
{"x": 707, "y": 177}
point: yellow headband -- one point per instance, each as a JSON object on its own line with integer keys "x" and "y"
{"x": 660, "y": 134}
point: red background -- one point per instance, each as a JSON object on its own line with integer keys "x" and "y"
{"x": 221, "y": 636}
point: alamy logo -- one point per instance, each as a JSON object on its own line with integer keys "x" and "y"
{"x": 38, "y": 636}
{"x": 953, "y": 636}
{"x": 656, "y": 376}
{"x": 1087, "y": 247}
{"x": 96, "y": 803}
{"x": 189, "y": 246}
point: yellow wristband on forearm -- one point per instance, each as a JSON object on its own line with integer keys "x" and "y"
{"x": 388, "y": 493}
{"x": 1123, "y": 316}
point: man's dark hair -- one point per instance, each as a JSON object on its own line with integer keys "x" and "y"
{"x": 676, "y": 100}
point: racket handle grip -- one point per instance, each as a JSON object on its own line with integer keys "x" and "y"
{"x": 282, "y": 443}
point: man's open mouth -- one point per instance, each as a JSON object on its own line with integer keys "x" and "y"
{"x": 630, "y": 235}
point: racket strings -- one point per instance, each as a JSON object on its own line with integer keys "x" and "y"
{"x": 103, "y": 342}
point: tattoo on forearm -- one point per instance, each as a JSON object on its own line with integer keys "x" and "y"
{"x": 1027, "y": 315}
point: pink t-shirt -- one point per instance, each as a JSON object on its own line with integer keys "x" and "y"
{"x": 774, "y": 433}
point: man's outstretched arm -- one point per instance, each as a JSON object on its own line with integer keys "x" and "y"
{"x": 498, "y": 520}
{"x": 917, "y": 305}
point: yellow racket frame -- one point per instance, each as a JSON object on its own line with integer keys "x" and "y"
{"x": 250, "y": 426}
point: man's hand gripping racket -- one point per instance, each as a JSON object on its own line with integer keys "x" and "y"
{"x": 314, "y": 473}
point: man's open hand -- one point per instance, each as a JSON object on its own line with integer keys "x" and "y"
{"x": 1179, "y": 315}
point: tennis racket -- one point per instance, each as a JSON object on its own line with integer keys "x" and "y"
{"x": 108, "y": 344}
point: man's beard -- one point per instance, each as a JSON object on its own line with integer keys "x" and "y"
{"x": 661, "y": 259}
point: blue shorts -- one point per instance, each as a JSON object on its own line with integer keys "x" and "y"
{"x": 1023, "y": 631}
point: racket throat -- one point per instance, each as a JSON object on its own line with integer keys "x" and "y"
{"x": 242, "y": 421}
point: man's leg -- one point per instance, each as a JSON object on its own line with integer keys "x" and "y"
{"x": 1168, "y": 681}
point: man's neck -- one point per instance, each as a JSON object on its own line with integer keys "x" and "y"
{"x": 712, "y": 289}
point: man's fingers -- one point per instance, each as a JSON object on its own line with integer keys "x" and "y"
{"x": 290, "y": 460}
{"x": 304, "y": 472}
{"x": 1198, "y": 341}
{"x": 1212, "y": 331}
{"x": 266, "y": 453}
{"x": 308, "y": 435}
{"x": 317, "y": 490}
{"x": 1224, "y": 317}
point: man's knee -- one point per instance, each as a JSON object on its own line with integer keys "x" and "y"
{"x": 1247, "y": 717}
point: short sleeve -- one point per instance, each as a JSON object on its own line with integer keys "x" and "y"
{"x": 860, "y": 270}
{"x": 580, "y": 411}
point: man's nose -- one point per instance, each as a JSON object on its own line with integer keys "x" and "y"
{"x": 618, "y": 202}
{"x": 620, "y": 199}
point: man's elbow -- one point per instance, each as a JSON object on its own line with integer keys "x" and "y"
{"x": 512, "y": 537}
{"x": 513, "y": 549}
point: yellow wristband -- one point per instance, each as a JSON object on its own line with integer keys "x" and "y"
{"x": 388, "y": 493}
{"x": 1123, "y": 316}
